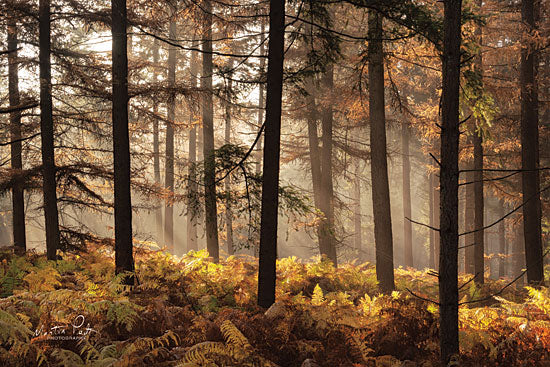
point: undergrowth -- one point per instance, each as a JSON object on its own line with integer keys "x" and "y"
{"x": 191, "y": 312}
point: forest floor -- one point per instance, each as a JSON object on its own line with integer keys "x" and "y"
{"x": 191, "y": 312}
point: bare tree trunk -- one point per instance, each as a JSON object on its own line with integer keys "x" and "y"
{"x": 261, "y": 102}
{"x": 124, "y": 261}
{"x": 193, "y": 187}
{"x": 502, "y": 241}
{"x": 407, "y": 210}
{"x": 358, "y": 237}
{"x": 328, "y": 242}
{"x": 448, "y": 258}
{"x": 17, "y": 191}
{"x": 437, "y": 214}
{"x": 270, "y": 178}
{"x": 208, "y": 133}
{"x": 156, "y": 145}
{"x": 47, "y": 134}
{"x": 379, "y": 165}
{"x": 469, "y": 220}
{"x": 169, "y": 166}
{"x": 228, "y": 209}
{"x": 530, "y": 178}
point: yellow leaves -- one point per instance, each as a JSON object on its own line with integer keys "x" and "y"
{"x": 42, "y": 280}
{"x": 317, "y": 299}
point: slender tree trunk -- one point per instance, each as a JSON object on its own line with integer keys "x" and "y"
{"x": 502, "y": 241}
{"x": 469, "y": 220}
{"x": 47, "y": 134}
{"x": 124, "y": 260}
{"x": 228, "y": 209}
{"x": 169, "y": 166}
{"x": 448, "y": 258}
{"x": 261, "y": 90}
{"x": 270, "y": 178}
{"x": 437, "y": 213}
{"x": 193, "y": 187}
{"x": 156, "y": 145}
{"x": 328, "y": 242}
{"x": 358, "y": 237}
{"x": 208, "y": 133}
{"x": 530, "y": 178}
{"x": 407, "y": 210}
{"x": 17, "y": 191}
{"x": 519, "y": 254}
{"x": 431, "y": 192}
{"x": 379, "y": 165}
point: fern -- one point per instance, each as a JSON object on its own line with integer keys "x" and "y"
{"x": 317, "y": 299}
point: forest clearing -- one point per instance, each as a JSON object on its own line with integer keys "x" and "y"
{"x": 306, "y": 183}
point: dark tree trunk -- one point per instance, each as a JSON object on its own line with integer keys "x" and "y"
{"x": 431, "y": 192}
{"x": 379, "y": 165}
{"x": 437, "y": 213}
{"x": 327, "y": 241}
{"x": 124, "y": 260}
{"x": 192, "y": 186}
{"x": 519, "y": 254}
{"x": 502, "y": 241}
{"x": 469, "y": 220}
{"x": 448, "y": 258}
{"x": 228, "y": 209}
{"x": 358, "y": 232}
{"x": 270, "y": 177}
{"x": 211, "y": 211}
{"x": 530, "y": 178}
{"x": 261, "y": 90}
{"x": 156, "y": 145}
{"x": 169, "y": 166}
{"x": 407, "y": 210}
{"x": 47, "y": 134}
{"x": 17, "y": 191}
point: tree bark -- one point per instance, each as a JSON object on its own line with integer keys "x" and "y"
{"x": 407, "y": 210}
{"x": 47, "y": 133}
{"x": 261, "y": 102}
{"x": 156, "y": 145}
{"x": 171, "y": 117}
{"x": 228, "y": 209}
{"x": 270, "y": 177}
{"x": 211, "y": 211}
{"x": 124, "y": 261}
{"x": 358, "y": 231}
{"x": 530, "y": 178}
{"x": 469, "y": 220}
{"x": 192, "y": 186}
{"x": 379, "y": 165}
{"x": 448, "y": 258}
{"x": 327, "y": 241}
{"x": 431, "y": 192}
{"x": 17, "y": 191}
{"x": 502, "y": 241}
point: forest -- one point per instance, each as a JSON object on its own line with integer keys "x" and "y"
{"x": 300, "y": 183}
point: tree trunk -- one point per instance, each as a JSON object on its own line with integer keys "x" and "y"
{"x": 448, "y": 258}
{"x": 379, "y": 165}
{"x": 407, "y": 210}
{"x": 47, "y": 134}
{"x": 469, "y": 219}
{"x": 437, "y": 213}
{"x": 530, "y": 178}
{"x": 17, "y": 191}
{"x": 270, "y": 177}
{"x": 124, "y": 261}
{"x": 169, "y": 165}
{"x": 192, "y": 186}
{"x": 431, "y": 192}
{"x": 228, "y": 210}
{"x": 156, "y": 145}
{"x": 358, "y": 237}
{"x": 261, "y": 103}
{"x": 502, "y": 241}
{"x": 208, "y": 134}
{"x": 327, "y": 241}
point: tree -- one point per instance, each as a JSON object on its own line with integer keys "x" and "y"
{"x": 156, "y": 150}
{"x": 17, "y": 191}
{"x": 124, "y": 260}
{"x": 49, "y": 185}
{"x": 379, "y": 165}
{"x": 211, "y": 220}
{"x": 192, "y": 186}
{"x": 530, "y": 180}
{"x": 448, "y": 257}
{"x": 407, "y": 210}
{"x": 272, "y": 141}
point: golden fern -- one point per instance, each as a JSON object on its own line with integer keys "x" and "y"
{"x": 200, "y": 353}
{"x": 235, "y": 340}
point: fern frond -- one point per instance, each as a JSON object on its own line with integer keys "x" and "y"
{"x": 67, "y": 358}
{"x": 199, "y": 353}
